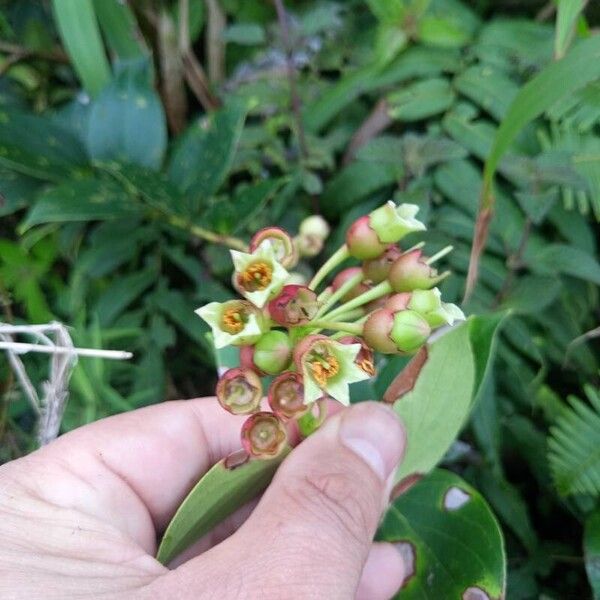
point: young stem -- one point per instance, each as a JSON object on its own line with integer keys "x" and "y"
{"x": 340, "y": 293}
{"x": 351, "y": 315}
{"x": 439, "y": 255}
{"x": 415, "y": 247}
{"x": 205, "y": 234}
{"x": 341, "y": 334}
{"x": 353, "y": 328}
{"x": 337, "y": 258}
{"x": 381, "y": 289}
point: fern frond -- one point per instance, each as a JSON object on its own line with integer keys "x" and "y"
{"x": 574, "y": 447}
{"x": 579, "y": 111}
{"x": 584, "y": 150}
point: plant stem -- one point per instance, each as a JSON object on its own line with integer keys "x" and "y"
{"x": 206, "y": 234}
{"x": 338, "y": 257}
{"x": 439, "y": 255}
{"x": 381, "y": 289}
{"x": 340, "y": 293}
{"x": 352, "y": 315}
{"x": 353, "y": 328}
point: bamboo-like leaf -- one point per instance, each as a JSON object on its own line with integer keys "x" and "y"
{"x": 217, "y": 495}
{"x": 120, "y": 29}
{"x": 566, "y": 19}
{"x": 79, "y": 31}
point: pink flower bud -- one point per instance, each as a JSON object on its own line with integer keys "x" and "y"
{"x": 365, "y": 358}
{"x": 286, "y": 396}
{"x": 343, "y": 276}
{"x": 377, "y": 269}
{"x": 362, "y": 241}
{"x": 264, "y": 435}
{"x": 376, "y": 331}
{"x": 239, "y": 391}
{"x": 295, "y": 305}
{"x": 272, "y": 352}
{"x": 411, "y": 272}
{"x": 281, "y": 241}
{"x": 397, "y": 302}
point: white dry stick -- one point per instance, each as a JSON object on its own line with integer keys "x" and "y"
{"x": 51, "y": 406}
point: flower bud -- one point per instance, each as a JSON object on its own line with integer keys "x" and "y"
{"x": 411, "y": 272}
{"x": 398, "y": 301}
{"x": 315, "y": 226}
{"x": 365, "y": 358}
{"x": 428, "y": 303}
{"x": 362, "y": 241}
{"x": 308, "y": 245}
{"x": 263, "y": 435}
{"x": 272, "y": 352}
{"x": 344, "y": 276}
{"x": 239, "y": 391}
{"x": 391, "y": 223}
{"x": 377, "y": 269}
{"x": 410, "y": 331}
{"x": 396, "y": 332}
{"x": 286, "y": 396}
{"x": 281, "y": 242}
{"x": 295, "y": 305}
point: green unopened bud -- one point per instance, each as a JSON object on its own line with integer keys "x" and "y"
{"x": 316, "y": 226}
{"x": 428, "y": 303}
{"x": 409, "y": 331}
{"x": 392, "y": 223}
{"x": 308, "y": 245}
{"x": 273, "y": 352}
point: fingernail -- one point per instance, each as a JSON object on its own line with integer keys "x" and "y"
{"x": 374, "y": 432}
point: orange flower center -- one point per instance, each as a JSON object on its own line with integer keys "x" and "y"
{"x": 324, "y": 368}
{"x": 232, "y": 321}
{"x": 256, "y": 277}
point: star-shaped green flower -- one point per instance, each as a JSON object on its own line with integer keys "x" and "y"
{"x": 258, "y": 275}
{"x": 391, "y": 223}
{"x": 236, "y": 322}
{"x": 328, "y": 368}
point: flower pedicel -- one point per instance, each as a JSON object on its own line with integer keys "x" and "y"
{"x": 317, "y": 343}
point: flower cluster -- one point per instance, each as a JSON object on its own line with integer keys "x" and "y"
{"x": 302, "y": 346}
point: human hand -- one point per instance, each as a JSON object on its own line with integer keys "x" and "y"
{"x": 80, "y": 517}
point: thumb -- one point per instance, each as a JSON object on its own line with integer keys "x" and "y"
{"x": 313, "y": 529}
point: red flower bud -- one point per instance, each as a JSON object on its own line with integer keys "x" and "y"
{"x": 239, "y": 391}
{"x": 286, "y": 396}
{"x": 411, "y": 272}
{"x": 397, "y": 302}
{"x": 377, "y": 269}
{"x": 263, "y": 435}
{"x": 376, "y": 331}
{"x": 365, "y": 359}
{"x": 362, "y": 241}
{"x": 396, "y": 332}
{"x": 343, "y": 276}
{"x": 281, "y": 241}
{"x": 295, "y": 305}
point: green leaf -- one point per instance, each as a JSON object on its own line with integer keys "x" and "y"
{"x": 204, "y": 154}
{"x": 36, "y": 146}
{"x": 566, "y": 260}
{"x": 219, "y": 493}
{"x": 591, "y": 548}
{"x": 80, "y": 200}
{"x": 450, "y": 539}
{"x": 79, "y": 31}
{"x": 447, "y": 23}
{"x": 577, "y": 69}
{"x": 437, "y": 407}
{"x": 574, "y": 447}
{"x": 120, "y": 29}
{"x": 566, "y": 19}
{"x": 17, "y": 191}
{"x": 421, "y": 100}
{"x": 247, "y": 34}
{"x": 127, "y": 121}
{"x": 355, "y": 182}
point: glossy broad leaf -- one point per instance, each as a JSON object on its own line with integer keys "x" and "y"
{"x": 127, "y": 122}
{"x": 451, "y": 542}
{"x": 217, "y": 495}
{"x": 436, "y": 408}
{"x": 204, "y": 155}
{"x": 591, "y": 549}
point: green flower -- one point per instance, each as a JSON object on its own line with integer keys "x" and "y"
{"x": 428, "y": 303}
{"x": 328, "y": 368}
{"x": 236, "y": 322}
{"x": 391, "y": 223}
{"x": 258, "y": 276}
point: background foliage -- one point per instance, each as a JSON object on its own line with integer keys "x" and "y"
{"x": 138, "y": 141}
